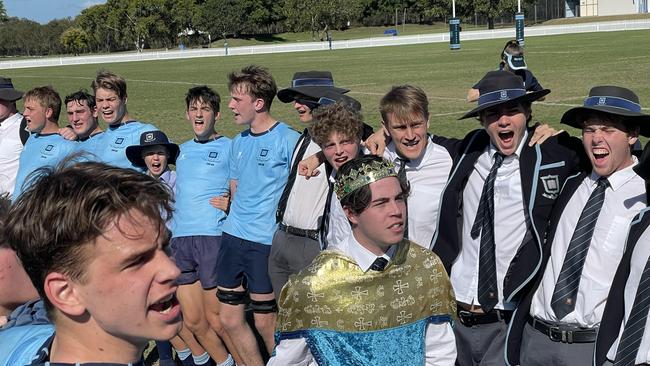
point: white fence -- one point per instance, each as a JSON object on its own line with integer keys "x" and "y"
{"x": 316, "y": 46}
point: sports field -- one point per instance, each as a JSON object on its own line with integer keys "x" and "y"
{"x": 567, "y": 64}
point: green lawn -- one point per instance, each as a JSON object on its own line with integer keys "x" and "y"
{"x": 568, "y": 64}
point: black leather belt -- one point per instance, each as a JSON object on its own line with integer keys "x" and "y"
{"x": 565, "y": 333}
{"x": 311, "y": 234}
{"x": 468, "y": 318}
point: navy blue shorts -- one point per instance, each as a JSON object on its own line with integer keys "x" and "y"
{"x": 241, "y": 260}
{"x": 196, "y": 257}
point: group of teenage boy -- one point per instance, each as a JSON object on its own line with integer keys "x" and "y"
{"x": 515, "y": 245}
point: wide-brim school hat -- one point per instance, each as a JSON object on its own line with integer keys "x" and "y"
{"x": 151, "y": 138}
{"x": 310, "y": 83}
{"x": 8, "y": 92}
{"x": 613, "y": 100}
{"x": 501, "y": 87}
{"x": 331, "y": 97}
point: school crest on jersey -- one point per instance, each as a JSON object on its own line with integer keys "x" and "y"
{"x": 47, "y": 150}
{"x": 551, "y": 184}
{"x": 118, "y": 143}
{"x": 213, "y": 156}
{"x": 263, "y": 155}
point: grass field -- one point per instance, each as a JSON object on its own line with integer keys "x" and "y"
{"x": 568, "y": 64}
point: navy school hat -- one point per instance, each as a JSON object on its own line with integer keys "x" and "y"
{"x": 501, "y": 87}
{"x": 333, "y": 97}
{"x": 613, "y": 100}
{"x": 8, "y": 92}
{"x": 151, "y": 138}
{"x": 310, "y": 83}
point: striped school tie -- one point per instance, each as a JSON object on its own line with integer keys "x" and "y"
{"x": 563, "y": 300}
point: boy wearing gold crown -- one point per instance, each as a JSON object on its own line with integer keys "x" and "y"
{"x": 377, "y": 299}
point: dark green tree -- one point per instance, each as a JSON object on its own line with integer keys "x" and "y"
{"x": 74, "y": 40}
{"x": 52, "y": 32}
{"x": 3, "y": 13}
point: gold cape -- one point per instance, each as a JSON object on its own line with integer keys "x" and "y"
{"x": 334, "y": 293}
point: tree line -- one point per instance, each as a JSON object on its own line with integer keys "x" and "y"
{"x": 123, "y": 25}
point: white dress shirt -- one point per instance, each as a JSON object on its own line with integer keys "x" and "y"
{"x": 440, "y": 343}
{"x": 637, "y": 265}
{"x": 623, "y": 200}
{"x": 10, "y": 148}
{"x": 428, "y": 176}
{"x": 509, "y": 225}
{"x": 339, "y": 228}
{"x": 307, "y": 198}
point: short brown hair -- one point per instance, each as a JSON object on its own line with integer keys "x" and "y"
{"x": 513, "y": 48}
{"x": 335, "y": 118}
{"x": 404, "y": 101}
{"x": 627, "y": 125}
{"x": 255, "y": 80}
{"x": 66, "y": 208}
{"x": 108, "y": 80}
{"x": 47, "y": 97}
{"x": 203, "y": 94}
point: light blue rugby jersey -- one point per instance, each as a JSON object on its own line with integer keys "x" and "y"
{"x": 260, "y": 163}
{"x": 39, "y": 151}
{"x": 117, "y": 139}
{"x": 201, "y": 173}
{"x": 91, "y": 146}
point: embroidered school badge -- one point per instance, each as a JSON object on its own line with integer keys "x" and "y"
{"x": 551, "y": 185}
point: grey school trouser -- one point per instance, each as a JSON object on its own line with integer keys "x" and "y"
{"x": 538, "y": 349}
{"x": 289, "y": 254}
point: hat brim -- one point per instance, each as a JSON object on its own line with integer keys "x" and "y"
{"x": 528, "y": 97}
{"x": 570, "y": 117}
{"x": 10, "y": 95}
{"x": 134, "y": 153}
{"x": 287, "y": 95}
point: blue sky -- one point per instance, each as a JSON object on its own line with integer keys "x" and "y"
{"x": 43, "y": 11}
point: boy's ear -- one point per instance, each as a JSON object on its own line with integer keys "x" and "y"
{"x": 351, "y": 216}
{"x": 62, "y": 293}
{"x": 260, "y": 105}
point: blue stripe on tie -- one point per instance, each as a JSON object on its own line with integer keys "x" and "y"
{"x": 568, "y": 281}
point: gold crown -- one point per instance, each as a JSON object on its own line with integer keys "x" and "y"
{"x": 366, "y": 174}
